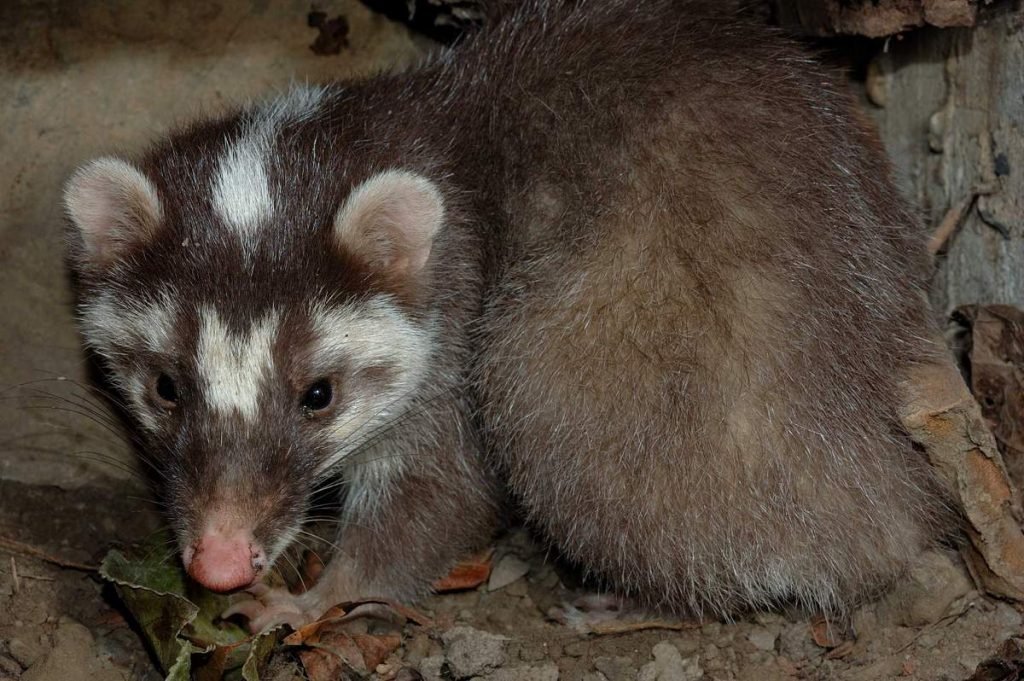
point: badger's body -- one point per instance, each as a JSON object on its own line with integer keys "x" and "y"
{"x": 636, "y": 268}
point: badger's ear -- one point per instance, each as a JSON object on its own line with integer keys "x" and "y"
{"x": 112, "y": 207}
{"x": 390, "y": 221}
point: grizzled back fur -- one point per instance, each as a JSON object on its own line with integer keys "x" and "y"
{"x": 708, "y": 292}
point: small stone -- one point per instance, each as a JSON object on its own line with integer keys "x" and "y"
{"x": 431, "y": 668}
{"x": 519, "y": 588}
{"x": 9, "y": 667}
{"x": 471, "y": 652}
{"x": 971, "y": 660}
{"x": 762, "y": 639}
{"x": 417, "y": 648}
{"x": 616, "y": 668}
{"x": 935, "y": 580}
{"x": 1007, "y": 618}
{"x": 669, "y": 665}
{"x": 692, "y": 670}
{"x": 508, "y": 570}
{"x": 25, "y": 651}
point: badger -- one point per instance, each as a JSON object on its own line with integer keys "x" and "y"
{"x": 636, "y": 272}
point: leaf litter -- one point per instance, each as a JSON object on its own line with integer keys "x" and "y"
{"x": 181, "y": 623}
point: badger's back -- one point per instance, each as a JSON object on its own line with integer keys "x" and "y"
{"x": 706, "y": 293}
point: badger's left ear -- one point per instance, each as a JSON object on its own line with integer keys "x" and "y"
{"x": 390, "y": 220}
{"x": 113, "y": 208}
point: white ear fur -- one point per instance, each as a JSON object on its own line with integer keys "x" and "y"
{"x": 391, "y": 220}
{"x": 113, "y": 206}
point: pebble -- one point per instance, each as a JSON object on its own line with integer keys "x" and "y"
{"x": 431, "y": 668}
{"x": 762, "y": 639}
{"x": 508, "y": 570}
{"x": 615, "y": 668}
{"x": 24, "y": 651}
{"x": 669, "y": 665}
{"x": 9, "y": 667}
{"x": 471, "y": 652}
{"x": 924, "y": 596}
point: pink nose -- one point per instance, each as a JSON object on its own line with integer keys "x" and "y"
{"x": 224, "y": 562}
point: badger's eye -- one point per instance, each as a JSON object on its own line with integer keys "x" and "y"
{"x": 165, "y": 392}
{"x": 318, "y": 396}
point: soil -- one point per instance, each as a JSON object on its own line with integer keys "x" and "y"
{"x": 61, "y": 623}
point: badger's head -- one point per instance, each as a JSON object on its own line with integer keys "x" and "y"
{"x": 259, "y": 319}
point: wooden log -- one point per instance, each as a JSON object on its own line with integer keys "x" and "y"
{"x": 873, "y": 18}
{"x": 942, "y": 416}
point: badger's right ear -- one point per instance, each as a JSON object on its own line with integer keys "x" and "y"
{"x": 113, "y": 208}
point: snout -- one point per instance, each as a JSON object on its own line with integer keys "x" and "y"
{"x": 225, "y": 558}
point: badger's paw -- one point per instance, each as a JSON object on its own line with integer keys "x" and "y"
{"x": 269, "y": 607}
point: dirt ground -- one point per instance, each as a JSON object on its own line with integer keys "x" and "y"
{"x": 82, "y": 79}
{"x": 61, "y": 623}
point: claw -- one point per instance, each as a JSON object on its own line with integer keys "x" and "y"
{"x": 270, "y": 607}
{"x": 248, "y": 609}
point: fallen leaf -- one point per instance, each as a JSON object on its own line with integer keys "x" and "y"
{"x": 331, "y": 651}
{"x": 377, "y": 648}
{"x": 467, "y": 574}
{"x": 179, "y": 620}
{"x": 827, "y": 634}
{"x": 840, "y": 651}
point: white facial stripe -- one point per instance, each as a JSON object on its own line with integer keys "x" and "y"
{"x": 114, "y": 328}
{"x": 232, "y": 368}
{"x": 108, "y": 324}
{"x": 370, "y": 334}
{"x": 296, "y": 105}
{"x": 241, "y": 191}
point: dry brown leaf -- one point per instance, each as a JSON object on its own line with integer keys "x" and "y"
{"x": 334, "y": 656}
{"x": 331, "y": 651}
{"x": 826, "y": 634}
{"x": 377, "y": 648}
{"x": 467, "y": 574}
{"x": 840, "y": 651}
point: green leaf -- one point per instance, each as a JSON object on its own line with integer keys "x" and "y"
{"x": 180, "y": 619}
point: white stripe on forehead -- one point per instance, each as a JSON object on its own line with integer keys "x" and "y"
{"x": 232, "y": 368}
{"x": 241, "y": 191}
